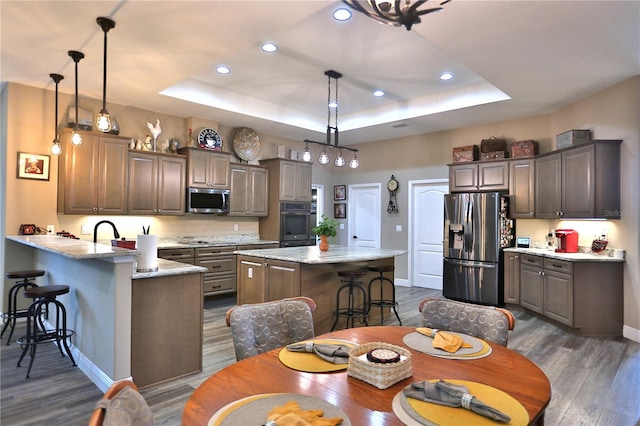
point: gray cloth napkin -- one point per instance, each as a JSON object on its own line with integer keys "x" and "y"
{"x": 337, "y": 354}
{"x": 445, "y": 393}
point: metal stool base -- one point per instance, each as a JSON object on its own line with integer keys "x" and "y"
{"x": 381, "y": 302}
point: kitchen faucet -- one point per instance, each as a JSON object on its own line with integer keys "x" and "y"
{"x": 116, "y": 235}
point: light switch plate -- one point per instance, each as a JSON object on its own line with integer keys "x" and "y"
{"x": 398, "y": 228}
{"x": 86, "y": 230}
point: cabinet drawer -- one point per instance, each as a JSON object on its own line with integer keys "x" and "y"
{"x": 530, "y": 260}
{"x": 218, "y": 264}
{"x": 558, "y": 265}
{"x": 210, "y": 251}
{"x": 184, "y": 255}
{"x": 214, "y": 285}
{"x": 258, "y": 246}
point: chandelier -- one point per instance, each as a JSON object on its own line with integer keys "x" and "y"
{"x": 324, "y": 156}
{"x": 395, "y": 13}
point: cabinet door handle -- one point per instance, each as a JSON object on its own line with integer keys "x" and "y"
{"x": 516, "y": 257}
{"x": 95, "y": 209}
{"x": 216, "y": 266}
{"x": 555, "y": 265}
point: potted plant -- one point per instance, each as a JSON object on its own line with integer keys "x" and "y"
{"x": 325, "y": 229}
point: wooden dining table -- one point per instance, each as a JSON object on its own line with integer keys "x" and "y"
{"x": 363, "y": 403}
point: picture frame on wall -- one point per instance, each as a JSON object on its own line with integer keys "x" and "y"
{"x": 33, "y": 166}
{"x": 339, "y": 192}
{"x": 340, "y": 211}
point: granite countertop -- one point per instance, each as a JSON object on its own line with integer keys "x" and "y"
{"x": 169, "y": 268}
{"x": 211, "y": 241}
{"x": 607, "y": 256}
{"x": 313, "y": 255}
{"x": 72, "y": 248}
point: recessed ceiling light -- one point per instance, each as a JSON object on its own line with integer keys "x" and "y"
{"x": 342, "y": 14}
{"x": 446, "y": 76}
{"x": 223, "y": 69}
{"x": 332, "y": 104}
{"x": 378, "y": 93}
{"x": 269, "y": 47}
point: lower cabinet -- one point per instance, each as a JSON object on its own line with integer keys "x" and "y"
{"x": 183, "y": 255}
{"x": 262, "y": 280}
{"x": 584, "y": 295}
{"x": 220, "y": 262}
{"x": 512, "y": 278}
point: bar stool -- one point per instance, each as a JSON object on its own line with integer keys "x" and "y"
{"x": 37, "y": 332}
{"x": 382, "y": 302}
{"x": 13, "y": 313}
{"x": 351, "y": 312}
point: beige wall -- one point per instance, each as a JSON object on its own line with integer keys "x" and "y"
{"x": 612, "y": 113}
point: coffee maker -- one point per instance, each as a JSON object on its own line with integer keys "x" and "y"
{"x": 567, "y": 241}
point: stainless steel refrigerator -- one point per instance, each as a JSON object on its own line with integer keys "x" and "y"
{"x": 476, "y": 229}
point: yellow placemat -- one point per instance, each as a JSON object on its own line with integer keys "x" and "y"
{"x": 420, "y": 342}
{"x": 310, "y": 362}
{"x": 253, "y": 410}
{"x": 449, "y": 416}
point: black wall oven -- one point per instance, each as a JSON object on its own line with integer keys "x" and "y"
{"x": 295, "y": 224}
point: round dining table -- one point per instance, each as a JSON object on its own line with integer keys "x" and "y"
{"x": 363, "y": 403}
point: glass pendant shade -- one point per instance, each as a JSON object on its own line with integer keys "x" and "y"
{"x": 103, "y": 123}
{"x": 56, "y": 149}
{"x": 306, "y": 155}
{"x": 324, "y": 157}
{"x": 340, "y": 161}
{"x": 354, "y": 163}
{"x": 76, "y": 138}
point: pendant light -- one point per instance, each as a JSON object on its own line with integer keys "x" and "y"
{"x": 354, "y": 163}
{"x": 76, "y": 138}
{"x": 56, "y": 149}
{"x": 340, "y": 161}
{"x": 103, "y": 124}
{"x": 306, "y": 155}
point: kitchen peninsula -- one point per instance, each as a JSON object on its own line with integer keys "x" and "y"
{"x": 145, "y": 325}
{"x": 271, "y": 274}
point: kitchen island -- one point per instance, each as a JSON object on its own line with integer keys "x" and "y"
{"x": 272, "y": 274}
{"x": 143, "y": 325}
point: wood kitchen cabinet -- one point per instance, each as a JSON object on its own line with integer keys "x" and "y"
{"x": 182, "y": 255}
{"x": 263, "y": 280}
{"x": 581, "y": 181}
{"x": 249, "y": 190}
{"x": 583, "y": 295}
{"x": 220, "y": 262}
{"x": 512, "y": 278}
{"x": 157, "y": 183}
{"x": 92, "y": 177}
{"x": 479, "y": 176}
{"x": 207, "y": 169}
{"x": 522, "y": 189}
{"x": 290, "y": 179}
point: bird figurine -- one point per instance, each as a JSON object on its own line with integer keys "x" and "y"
{"x": 155, "y": 131}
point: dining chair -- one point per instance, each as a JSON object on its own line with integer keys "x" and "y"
{"x": 122, "y": 404}
{"x": 260, "y": 327}
{"x": 486, "y": 322}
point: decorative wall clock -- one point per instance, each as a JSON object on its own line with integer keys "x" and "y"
{"x": 392, "y": 186}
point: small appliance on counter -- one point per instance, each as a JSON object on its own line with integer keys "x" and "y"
{"x": 567, "y": 241}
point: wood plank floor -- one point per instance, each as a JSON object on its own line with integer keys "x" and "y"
{"x": 595, "y": 381}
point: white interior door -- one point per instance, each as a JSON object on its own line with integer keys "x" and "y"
{"x": 426, "y": 222}
{"x": 363, "y": 215}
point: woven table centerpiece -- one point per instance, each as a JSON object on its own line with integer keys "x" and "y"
{"x": 380, "y": 375}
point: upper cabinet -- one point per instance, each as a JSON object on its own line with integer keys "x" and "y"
{"x": 249, "y": 190}
{"x": 207, "y": 169}
{"x": 92, "y": 177}
{"x": 579, "y": 182}
{"x": 479, "y": 176}
{"x": 293, "y": 179}
{"x": 156, "y": 183}
{"x": 522, "y": 188}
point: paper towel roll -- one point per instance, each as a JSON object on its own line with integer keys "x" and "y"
{"x": 147, "y": 259}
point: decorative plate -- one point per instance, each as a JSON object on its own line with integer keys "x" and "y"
{"x": 209, "y": 139}
{"x": 246, "y": 144}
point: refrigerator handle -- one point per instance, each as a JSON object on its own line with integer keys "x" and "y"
{"x": 472, "y": 264}
{"x": 468, "y": 229}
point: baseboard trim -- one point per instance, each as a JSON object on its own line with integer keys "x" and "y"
{"x": 631, "y": 333}
{"x": 401, "y": 282}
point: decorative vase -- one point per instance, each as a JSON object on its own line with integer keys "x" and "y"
{"x": 324, "y": 243}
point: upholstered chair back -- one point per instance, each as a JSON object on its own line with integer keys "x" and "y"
{"x": 485, "y": 322}
{"x": 260, "y": 327}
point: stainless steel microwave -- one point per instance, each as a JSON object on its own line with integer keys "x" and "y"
{"x": 207, "y": 200}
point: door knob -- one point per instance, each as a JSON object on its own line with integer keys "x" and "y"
{"x": 355, "y": 237}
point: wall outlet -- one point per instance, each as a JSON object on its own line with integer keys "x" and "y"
{"x": 86, "y": 230}
{"x": 235, "y": 227}
{"x": 342, "y": 226}
{"x": 50, "y": 229}
{"x": 398, "y": 228}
